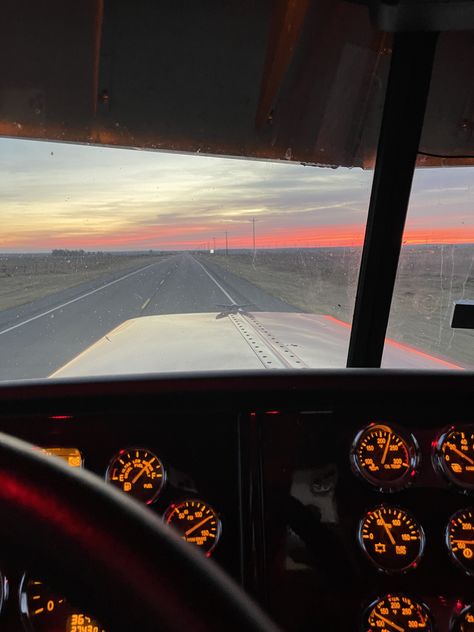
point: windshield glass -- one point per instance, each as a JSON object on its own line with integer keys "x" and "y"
{"x": 436, "y": 269}
{"x": 121, "y": 261}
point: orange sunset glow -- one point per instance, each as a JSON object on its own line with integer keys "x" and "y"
{"x": 95, "y": 198}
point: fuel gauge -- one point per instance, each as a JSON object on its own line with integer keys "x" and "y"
{"x": 137, "y": 472}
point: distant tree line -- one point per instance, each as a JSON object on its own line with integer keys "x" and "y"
{"x": 63, "y": 252}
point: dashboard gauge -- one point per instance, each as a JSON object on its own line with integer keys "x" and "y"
{"x": 460, "y": 539}
{"x": 464, "y": 622}
{"x": 137, "y": 472}
{"x": 384, "y": 457}
{"x": 196, "y": 522}
{"x": 391, "y": 538}
{"x": 44, "y": 611}
{"x": 397, "y": 613}
{"x": 453, "y": 456}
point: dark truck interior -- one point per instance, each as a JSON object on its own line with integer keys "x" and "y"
{"x": 383, "y": 85}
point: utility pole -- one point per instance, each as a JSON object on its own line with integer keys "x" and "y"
{"x": 214, "y": 244}
{"x": 226, "y": 245}
{"x": 253, "y": 231}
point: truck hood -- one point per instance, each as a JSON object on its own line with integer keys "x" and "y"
{"x": 230, "y": 342}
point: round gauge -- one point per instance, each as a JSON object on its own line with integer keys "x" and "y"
{"x": 384, "y": 457}
{"x": 392, "y": 539}
{"x": 397, "y": 612}
{"x": 453, "y": 456}
{"x": 46, "y": 612}
{"x": 460, "y": 539}
{"x": 137, "y": 472}
{"x": 196, "y": 522}
{"x": 464, "y": 622}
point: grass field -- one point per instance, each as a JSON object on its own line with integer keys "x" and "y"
{"x": 324, "y": 281}
{"x": 27, "y": 277}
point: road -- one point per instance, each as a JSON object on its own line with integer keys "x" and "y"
{"x": 38, "y": 338}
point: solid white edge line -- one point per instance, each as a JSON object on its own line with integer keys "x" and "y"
{"x": 78, "y": 298}
{"x": 216, "y": 282}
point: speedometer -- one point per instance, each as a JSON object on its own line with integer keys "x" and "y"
{"x": 44, "y": 611}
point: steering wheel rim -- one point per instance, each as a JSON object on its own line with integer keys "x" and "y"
{"x": 61, "y": 523}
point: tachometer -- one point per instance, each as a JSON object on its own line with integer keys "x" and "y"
{"x": 453, "y": 456}
{"x": 392, "y": 539}
{"x": 397, "y": 612}
{"x": 384, "y": 457}
{"x": 196, "y": 522}
{"x": 138, "y": 472}
{"x": 460, "y": 539}
{"x": 46, "y": 612}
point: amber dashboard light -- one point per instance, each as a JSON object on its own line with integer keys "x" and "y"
{"x": 460, "y": 539}
{"x": 391, "y": 538}
{"x": 72, "y": 456}
{"x": 138, "y": 472}
{"x": 196, "y": 522}
{"x": 453, "y": 456}
{"x": 397, "y": 612}
{"x": 385, "y": 457}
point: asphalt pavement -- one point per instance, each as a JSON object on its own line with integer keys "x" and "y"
{"x": 38, "y": 338}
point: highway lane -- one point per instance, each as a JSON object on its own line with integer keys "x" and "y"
{"x": 38, "y": 338}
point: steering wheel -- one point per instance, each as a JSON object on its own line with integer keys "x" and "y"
{"x": 112, "y": 556}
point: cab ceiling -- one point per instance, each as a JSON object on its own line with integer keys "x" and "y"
{"x": 299, "y": 80}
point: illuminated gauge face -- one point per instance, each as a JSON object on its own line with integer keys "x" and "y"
{"x": 137, "y": 472}
{"x": 397, "y": 612}
{"x": 454, "y": 456}
{"x": 464, "y": 622}
{"x": 196, "y": 522}
{"x": 460, "y": 539}
{"x": 392, "y": 539}
{"x": 46, "y": 612}
{"x": 384, "y": 458}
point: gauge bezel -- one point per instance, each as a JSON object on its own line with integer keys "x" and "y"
{"x": 452, "y": 555}
{"x": 456, "y": 618}
{"x": 173, "y": 506}
{"x": 419, "y": 602}
{"x": 414, "y": 455}
{"x": 164, "y": 478}
{"x": 389, "y": 571}
{"x": 439, "y": 464}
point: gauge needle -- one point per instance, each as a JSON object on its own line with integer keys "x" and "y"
{"x": 385, "y": 526}
{"x": 384, "y": 456}
{"x": 462, "y": 541}
{"x": 142, "y": 471}
{"x": 390, "y": 623}
{"x": 464, "y": 456}
{"x": 196, "y": 526}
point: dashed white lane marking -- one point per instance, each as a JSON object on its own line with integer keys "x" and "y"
{"x": 145, "y": 304}
{"x": 74, "y": 300}
{"x": 217, "y": 283}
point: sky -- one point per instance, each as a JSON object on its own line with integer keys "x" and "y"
{"x": 95, "y": 198}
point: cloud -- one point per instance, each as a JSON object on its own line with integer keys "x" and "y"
{"x": 67, "y": 195}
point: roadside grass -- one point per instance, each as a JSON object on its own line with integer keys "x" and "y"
{"x": 27, "y": 277}
{"x": 324, "y": 281}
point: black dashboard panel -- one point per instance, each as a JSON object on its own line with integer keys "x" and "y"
{"x": 271, "y": 454}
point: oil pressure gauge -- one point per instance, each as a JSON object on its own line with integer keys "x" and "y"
{"x": 385, "y": 457}
{"x": 137, "y": 472}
